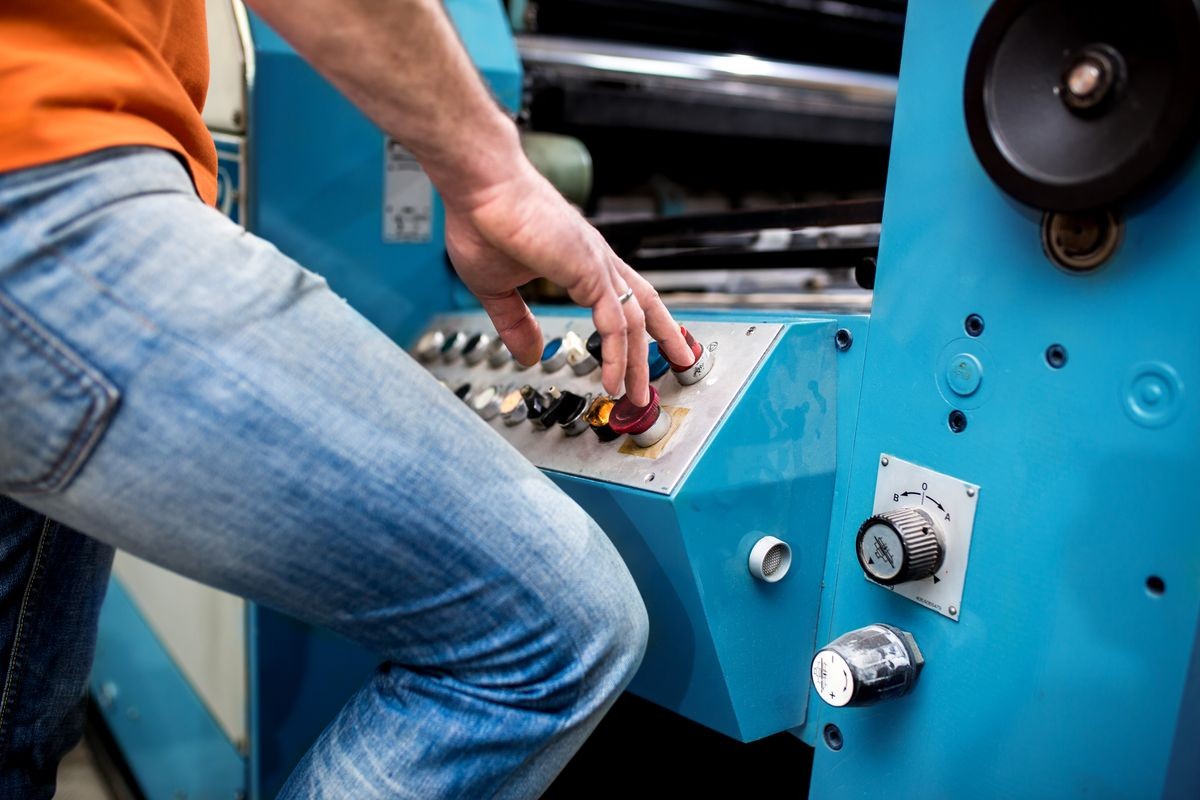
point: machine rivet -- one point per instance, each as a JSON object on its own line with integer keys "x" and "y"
{"x": 957, "y": 421}
{"x": 649, "y": 477}
{"x": 970, "y": 491}
{"x": 964, "y": 374}
{"x": 1152, "y": 394}
{"x": 843, "y": 339}
{"x": 973, "y": 325}
{"x": 1056, "y": 356}
{"x": 953, "y": 611}
{"x": 883, "y": 461}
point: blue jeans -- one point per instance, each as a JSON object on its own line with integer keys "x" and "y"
{"x": 175, "y": 387}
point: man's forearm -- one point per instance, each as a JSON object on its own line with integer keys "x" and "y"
{"x": 402, "y": 64}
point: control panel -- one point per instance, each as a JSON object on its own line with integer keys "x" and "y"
{"x": 718, "y": 494}
{"x": 558, "y": 414}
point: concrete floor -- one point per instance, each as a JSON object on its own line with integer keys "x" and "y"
{"x": 79, "y": 777}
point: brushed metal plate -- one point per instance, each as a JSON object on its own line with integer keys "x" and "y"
{"x": 739, "y": 349}
{"x": 952, "y": 501}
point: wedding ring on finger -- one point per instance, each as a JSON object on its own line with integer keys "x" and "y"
{"x": 623, "y": 299}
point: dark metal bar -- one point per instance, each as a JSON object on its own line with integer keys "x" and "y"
{"x": 626, "y": 237}
{"x": 842, "y": 258}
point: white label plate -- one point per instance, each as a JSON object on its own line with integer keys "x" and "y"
{"x": 407, "y": 197}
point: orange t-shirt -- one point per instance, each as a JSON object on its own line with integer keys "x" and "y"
{"x": 81, "y": 75}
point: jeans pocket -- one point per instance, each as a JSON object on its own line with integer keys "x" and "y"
{"x": 54, "y": 406}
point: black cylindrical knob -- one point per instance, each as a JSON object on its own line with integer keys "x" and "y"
{"x": 535, "y": 402}
{"x": 593, "y": 346}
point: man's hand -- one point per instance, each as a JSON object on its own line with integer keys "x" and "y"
{"x": 402, "y": 64}
{"x": 505, "y": 235}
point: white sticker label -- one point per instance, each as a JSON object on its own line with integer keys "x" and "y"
{"x": 882, "y": 551}
{"x": 832, "y": 678}
{"x": 407, "y": 197}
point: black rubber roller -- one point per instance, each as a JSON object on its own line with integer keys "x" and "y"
{"x": 1081, "y": 104}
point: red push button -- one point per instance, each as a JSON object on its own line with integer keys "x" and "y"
{"x": 647, "y": 425}
{"x": 693, "y": 345}
{"x": 701, "y": 365}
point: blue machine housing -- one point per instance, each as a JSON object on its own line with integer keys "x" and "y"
{"x": 724, "y": 648}
{"x": 1068, "y": 674}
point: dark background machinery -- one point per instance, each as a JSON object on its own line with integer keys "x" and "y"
{"x": 699, "y": 109}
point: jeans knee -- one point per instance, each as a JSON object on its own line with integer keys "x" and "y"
{"x": 633, "y": 632}
{"x": 615, "y": 626}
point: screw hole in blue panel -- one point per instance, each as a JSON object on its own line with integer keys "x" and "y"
{"x": 1056, "y": 356}
{"x": 833, "y": 737}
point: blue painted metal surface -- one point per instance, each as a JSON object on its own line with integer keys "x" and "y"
{"x": 317, "y": 176}
{"x": 178, "y": 748}
{"x": 1065, "y": 677}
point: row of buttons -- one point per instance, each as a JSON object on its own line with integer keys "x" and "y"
{"x": 574, "y": 413}
{"x": 570, "y": 348}
{"x": 449, "y": 346}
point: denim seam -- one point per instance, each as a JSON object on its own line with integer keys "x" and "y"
{"x": 103, "y": 399}
{"x": 104, "y": 289}
{"x": 16, "y": 660}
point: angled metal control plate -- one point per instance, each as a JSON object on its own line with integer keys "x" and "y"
{"x": 697, "y": 409}
{"x": 949, "y": 500}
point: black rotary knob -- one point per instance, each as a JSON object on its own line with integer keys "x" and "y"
{"x": 593, "y": 347}
{"x": 898, "y": 546}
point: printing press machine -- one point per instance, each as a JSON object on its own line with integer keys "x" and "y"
{"x": 929, "y": 526}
